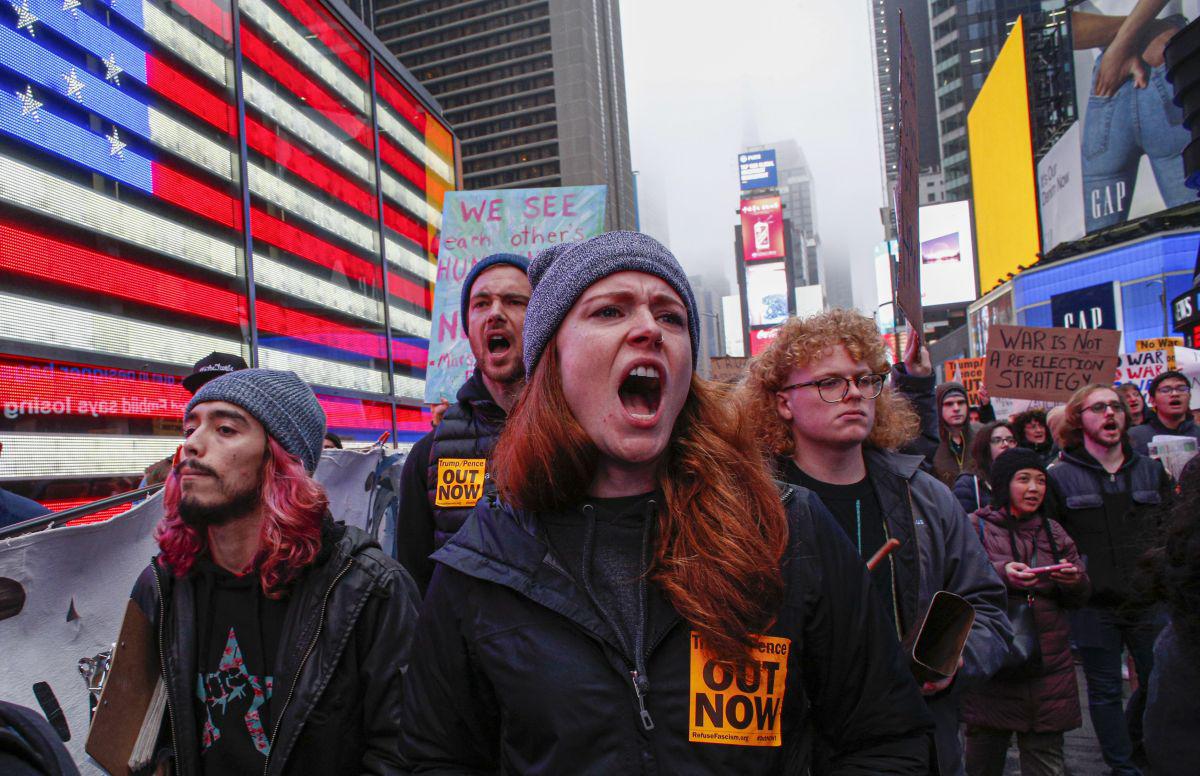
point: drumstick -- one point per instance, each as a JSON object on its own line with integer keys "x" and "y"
{"x": 887, "y": 549}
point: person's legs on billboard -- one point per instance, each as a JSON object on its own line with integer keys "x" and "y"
{"x": 1163, "y": 137}
{"x": 1110, "y": 156}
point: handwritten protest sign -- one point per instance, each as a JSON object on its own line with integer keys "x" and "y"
{"x": 1141, "y": 367}
{"x": 727, "y": 369}
{"x": 969, "y": 372}
{"x": 476, "y": 224}
{"x": 1032, "y": 362}
{"x": 1167, "y": 344}
{"x": 908, "y": 266}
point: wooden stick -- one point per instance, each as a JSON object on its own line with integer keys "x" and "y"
{"x": 887, "y": 549}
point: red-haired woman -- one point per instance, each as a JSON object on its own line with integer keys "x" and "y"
{"x": 642, "y": 597}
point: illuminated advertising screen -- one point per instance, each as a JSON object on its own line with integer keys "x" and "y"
{"x": 124, "y": 220}
{"x": 1002, "y": 170}
{"x": 766, "y": 294}
{"x": 1122, "y": 158}
{"x": 761, "y": 338}
{"x": 947, "y": 254}
{"x": 756, "y": 170}
{"x": 762, "y": 229}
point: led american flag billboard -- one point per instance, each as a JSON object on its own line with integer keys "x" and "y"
{"x": 128, "y": 181}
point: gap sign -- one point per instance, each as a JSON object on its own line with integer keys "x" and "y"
{"x": 1094, "y": 307}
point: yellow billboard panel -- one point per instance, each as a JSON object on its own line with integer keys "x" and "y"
{"x": 1002, "y": 170}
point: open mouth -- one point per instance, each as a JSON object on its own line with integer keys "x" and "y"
{"x": 1110, "y": 425}
{"x": 641, "y": 392}
{"x": 498, "y": 344}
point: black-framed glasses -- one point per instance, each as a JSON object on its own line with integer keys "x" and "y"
{"x": 834, "y": 389}
{"x": 1100, "y": 406}
{"x": 1179, "y": 390}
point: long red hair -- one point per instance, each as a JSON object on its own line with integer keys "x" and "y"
{"x": 722, "y": 535}
{"x": 293, "y": 505}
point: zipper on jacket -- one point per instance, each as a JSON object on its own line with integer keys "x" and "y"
{"x": 640, "y": 686}
{"x": 300, "y": 668}
{"x": 162, "y": 662}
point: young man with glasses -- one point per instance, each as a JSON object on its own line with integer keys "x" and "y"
{"x": 818, "y": 400}
{"x": 1170, "y": 395}
{"x": 1111, "y": 500}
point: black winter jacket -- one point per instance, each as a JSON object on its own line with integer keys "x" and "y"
{"x": 1141, "y": 436}
{"x": 342, "y": 655}
{"x": 469, "y": 429}
{"x": 514, "y": 671}
{"x": 1113, "y": 518}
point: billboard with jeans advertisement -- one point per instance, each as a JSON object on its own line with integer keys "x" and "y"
{"x": 1122, "y": 158}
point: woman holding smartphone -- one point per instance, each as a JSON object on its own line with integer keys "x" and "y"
{"x": 1038, "y": 561}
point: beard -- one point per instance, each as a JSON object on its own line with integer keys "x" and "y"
{"x": 231, "y": 506}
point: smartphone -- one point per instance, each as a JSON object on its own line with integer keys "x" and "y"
{"x": 1050, "y": 569}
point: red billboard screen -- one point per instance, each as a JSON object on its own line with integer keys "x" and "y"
{"x": 762, "y": 229}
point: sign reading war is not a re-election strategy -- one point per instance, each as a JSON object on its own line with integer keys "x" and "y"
{"x": 1034, "y": 362}
{"x": 476, "y": 224}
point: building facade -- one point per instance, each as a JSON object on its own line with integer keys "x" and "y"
{"x": 797, "y": 191}
{"x": 534, "y": 90}
{"x": 176, "y": 180}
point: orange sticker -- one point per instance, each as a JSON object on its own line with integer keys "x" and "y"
{"x": 459, "y": 481}
{"x": 741, "y": 710}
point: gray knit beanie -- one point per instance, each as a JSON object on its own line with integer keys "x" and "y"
{"x": 281, "y": 401}
{"x": 560, "y": 274}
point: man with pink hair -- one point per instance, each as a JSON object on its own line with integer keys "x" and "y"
{"x": 283, "y": 636}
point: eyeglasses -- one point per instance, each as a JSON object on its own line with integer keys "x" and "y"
{"x": 1100, "y": 406}
{"x": 1004, "y": 441}
{"x": 1167, "y": 390}
{"x": 834, "y": 389}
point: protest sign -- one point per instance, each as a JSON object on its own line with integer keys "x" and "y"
{"x": 476, "y": 224}
{"x": 735, "y": 706}
{"x": 908, "y": 265}
{"x": 1032, "y": 362}
{"x": 969, "y": 372}
{"x": 1141, "y": 367}
{"x": 1167, "y": 344}
{"x": 727, "y": 369}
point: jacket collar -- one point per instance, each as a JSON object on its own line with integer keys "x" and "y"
{"x": 1081, "y": 457}
{"x": 1188, "y": 426}
{"x": 474, "y": 394}
{"x": 900, "y": 464}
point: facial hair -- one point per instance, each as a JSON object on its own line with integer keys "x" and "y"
{"x": 235, "y": 504}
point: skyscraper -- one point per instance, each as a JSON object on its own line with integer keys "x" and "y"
{"x": 799, "y": 208}
{"x": 966, "y": 36}
{"x": 534, "y": 90}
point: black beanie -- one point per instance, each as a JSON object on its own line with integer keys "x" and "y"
{"x": 1006, "y": 466}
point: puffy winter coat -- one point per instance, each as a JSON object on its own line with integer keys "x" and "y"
{"x": 972, "y": 491}
{"x": 1048, "y": 702}
{"x": 515, "y": 671}
{"x": 350, "y": 622}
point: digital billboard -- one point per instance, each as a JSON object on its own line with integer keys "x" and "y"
{"x": 762, "y": 229}
{"x": 766, "y": 294}
{"x": 756, "y": 170}
{"x": 947, "y": 254}
{"x": 133, "y": 227}
{"x": 1122, "y": 157}
{"x": 1002, "y": 170}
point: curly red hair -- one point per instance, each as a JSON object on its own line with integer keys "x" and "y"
{"x": 293, "y": 505}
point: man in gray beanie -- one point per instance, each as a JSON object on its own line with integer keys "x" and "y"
{"x": 494, "y": 295}
{"x": 270, "y": 615}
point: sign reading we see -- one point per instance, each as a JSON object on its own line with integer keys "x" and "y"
{"x": 738, "y": 708}
{"x": 1033, "y": 362}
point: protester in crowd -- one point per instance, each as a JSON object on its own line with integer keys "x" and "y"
{"x": 1135, "y": 402}
{"x": 1170, "y": 393}
{"x": 973, "y": 415}
{"x": 593, "y": 617}
{"x": 332, "y": 441}
{"x": 17, "y": 509}
{"x": 1037, "y": 699}
{"x": 1173, "y": 694}
{"x": 818, "y": 400}
{"x": 955, "y": 431}
{"x": 494, "y": 295}
{"x": 1032, "y": 432}
{"x": 284, "y": 635}
{"x": 1054, "y": 422}
{"x": 1110, "y": 500}
{"x": 973, "y": 488}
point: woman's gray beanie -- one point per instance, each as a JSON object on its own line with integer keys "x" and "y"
{"x": 561, "y": 273}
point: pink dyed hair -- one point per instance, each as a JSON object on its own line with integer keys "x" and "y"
{"x": 293, "y": 506}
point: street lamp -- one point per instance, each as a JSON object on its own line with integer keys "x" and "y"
{"x": 1161, "y": 280}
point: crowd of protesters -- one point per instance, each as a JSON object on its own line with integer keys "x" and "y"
{"x": 665, "y": 574}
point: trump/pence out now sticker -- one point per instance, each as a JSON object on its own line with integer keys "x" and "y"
{"x": 738, "y": 708}
{"x": 459, "y": 481}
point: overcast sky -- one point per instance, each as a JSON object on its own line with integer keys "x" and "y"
{"x": 705, "y": 79}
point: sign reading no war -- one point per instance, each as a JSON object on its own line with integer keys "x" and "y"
{"x": 476, "y": 224}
